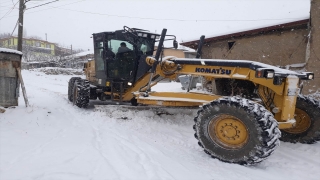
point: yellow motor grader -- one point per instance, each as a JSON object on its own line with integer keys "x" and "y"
{"x": 255, "y": 105}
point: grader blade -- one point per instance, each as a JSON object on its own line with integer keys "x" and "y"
{"x": 127, "y": 112}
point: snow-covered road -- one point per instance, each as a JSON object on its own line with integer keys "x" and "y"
{"x": 55, "y": 140}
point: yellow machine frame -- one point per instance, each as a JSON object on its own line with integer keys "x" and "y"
{"x": 284, "y": 102}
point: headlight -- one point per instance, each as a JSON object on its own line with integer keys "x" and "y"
{"x": 270, "y": 74}
{"x": 307, "y": 76}
{"x": 265, "y": 73}
{"x": 310, "y": 76}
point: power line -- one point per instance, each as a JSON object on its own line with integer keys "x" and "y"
{"x": 9, "y": 6}
{"x": 147, "y": 18}
{"x": 42, "y": 4}
{"x": 7, "y": 2}
{"x": 10, "y": 10}
{"x": 52, "y": 7}
{"x": 15, "y": 27}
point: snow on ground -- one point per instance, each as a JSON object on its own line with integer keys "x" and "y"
{"x": 54, "y": 140}
{"x": 56, "y": 71}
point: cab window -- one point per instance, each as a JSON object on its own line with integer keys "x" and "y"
{"x": 98, "y": 55}
{"x": 117, "y": 45}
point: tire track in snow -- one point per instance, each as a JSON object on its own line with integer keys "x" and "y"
{"x": 147, "y": 132}
{"x": 98, "y": 148}
{"x": 145, "y": 140}
{"x": 32, "y": 152}
{"x": 146, "y": 161}
{"x": 122, "y": 144}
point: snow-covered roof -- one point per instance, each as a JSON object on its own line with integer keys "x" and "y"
{"x": 12, "y": 51}
{"x": 26, "y": 38}
{"x": 186, "y": 49}
{"x": 83, "y": 53}
{"x": 80, "y": 54}
{"x": 247, "y": 31}
{"x": 39, "y": 62}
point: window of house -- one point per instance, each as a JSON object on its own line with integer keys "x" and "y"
{"x": 37, "y": 44}
{"x": 48, "y": 46}
{"x": 230, "y": 44}
{"x": 9, "y": 42}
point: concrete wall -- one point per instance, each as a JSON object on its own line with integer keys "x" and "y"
{"x": 172, "y": 52}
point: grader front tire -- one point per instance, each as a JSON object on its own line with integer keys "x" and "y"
{"x": 70, "y": 87}
{"x": 307, "y": 129}
{"x": 81, "y": 93}
{"x": 236, "y": 130}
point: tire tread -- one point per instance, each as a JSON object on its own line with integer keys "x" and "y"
{"x": 269, "y": 136}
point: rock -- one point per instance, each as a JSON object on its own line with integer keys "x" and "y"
{"x": 2, "y": 110}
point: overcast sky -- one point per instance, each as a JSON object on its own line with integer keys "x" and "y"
{"x": 71, "y": 22}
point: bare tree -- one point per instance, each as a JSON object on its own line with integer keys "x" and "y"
{"x": 28, "y": 54}
{"x": 35, "y": 37}
{"x": 4, "y": 35}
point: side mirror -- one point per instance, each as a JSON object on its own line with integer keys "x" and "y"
{"x": 175, "y": 44}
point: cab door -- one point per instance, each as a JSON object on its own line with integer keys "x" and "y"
{"x": 99, "y": 57}
{"x": 121, "y": 61}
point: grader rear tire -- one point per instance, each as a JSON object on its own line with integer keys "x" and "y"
{"x": 236, "y": 130}
{"x": 307, "y": 129}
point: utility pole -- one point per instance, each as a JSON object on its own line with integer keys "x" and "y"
{"x": 20, "y": 24}
{"x": 46, "y": 37}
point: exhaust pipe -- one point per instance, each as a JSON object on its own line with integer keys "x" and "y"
{"x": 200, "y": 47}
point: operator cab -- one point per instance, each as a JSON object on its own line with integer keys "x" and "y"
{"x": 120, "y": 55}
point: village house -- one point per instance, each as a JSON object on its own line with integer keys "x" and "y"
{"x": 292, "y": 45}
{"x": 78, "y": 60}
{"x": 35, "y": 45}
{"x": 181, "y": 52}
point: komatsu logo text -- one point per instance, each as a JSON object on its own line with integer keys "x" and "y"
{"x": 214, "y": 71}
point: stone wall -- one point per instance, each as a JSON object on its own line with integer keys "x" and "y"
{"x": 285, "y": 48}
{"x": 314, "y": 49}
{"x": 277, "y": 48}
{"x": 296, "y": 47}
